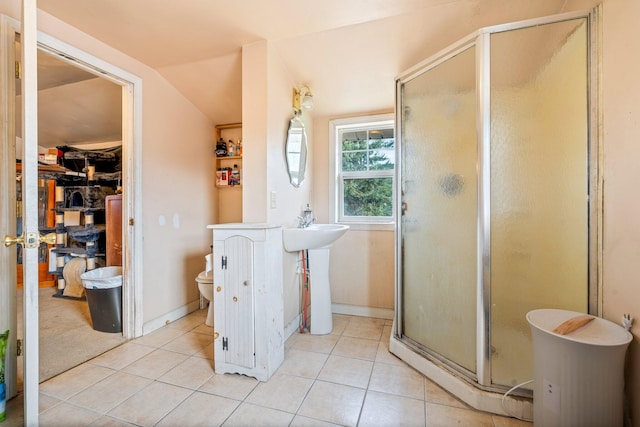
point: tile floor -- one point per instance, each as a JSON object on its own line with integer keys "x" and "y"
{"x": 166, "y": 379}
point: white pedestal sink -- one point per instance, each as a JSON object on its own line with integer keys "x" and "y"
{"x": 317, "y": 239}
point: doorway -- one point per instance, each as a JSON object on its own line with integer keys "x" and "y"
{"x": 499, "y": 202}
{"x": 80, "y": 146}
{"x": 130, "y": 107}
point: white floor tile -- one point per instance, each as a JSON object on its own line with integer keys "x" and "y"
{"x": 253, "y": 415}
{"x": 151, "y": 404}
{"x": 398, "y": 380}
{"x": 200, "y": 409}
{"x": 282, "y": 392}
{"x": 302, "y": 363}
{"x": 191, "y": 373}
{"x": 347, "y": 371}
{"x": 72, "y": 416}
{"x": 382, "y": 410}
{"x": 346, "y": 378}
{"x": 155, "y": 364}
{"x": 75, "y": 380}
{"x": 335, "y": 403}
{"x": 110, "y": 392}
{"x": 233, "y": 386}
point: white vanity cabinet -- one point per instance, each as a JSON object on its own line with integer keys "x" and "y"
{"x": 248, "y": 299}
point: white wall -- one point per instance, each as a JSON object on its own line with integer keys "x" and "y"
{"x": 362, "y": 262}
{"x": 621, "y": 130}
{"x": 267, "y": 108}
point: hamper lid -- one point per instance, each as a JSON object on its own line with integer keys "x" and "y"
{"x": 597, "y": 332}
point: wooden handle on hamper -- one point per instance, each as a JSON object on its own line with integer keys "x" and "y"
{"x": 572, "y": 324}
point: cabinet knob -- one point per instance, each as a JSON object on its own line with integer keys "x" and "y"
{"x": 246, "y": 282}
{"x": 235, "y": 299}
{"x": 216, "y": 335}
{"x": 219, "y": 288}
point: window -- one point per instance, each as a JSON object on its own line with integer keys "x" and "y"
{"x": 363, "y": 171}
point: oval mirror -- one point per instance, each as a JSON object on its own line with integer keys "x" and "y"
{"x": 296, "y": 150}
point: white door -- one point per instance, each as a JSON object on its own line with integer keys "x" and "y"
{"x": 30, "y": 238}
{"x": 132, "y": 239}
{"x": 239, "y": 302}
{"x": 8, "y": 255}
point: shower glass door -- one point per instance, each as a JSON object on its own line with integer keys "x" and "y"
{"x": 439, "y": 210}
{"x": 497, "y": 195}
{"x": 539, "y": 185}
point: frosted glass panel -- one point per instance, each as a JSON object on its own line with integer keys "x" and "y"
{"x": 539, "y": 185}
{"x": 439, "y": 226}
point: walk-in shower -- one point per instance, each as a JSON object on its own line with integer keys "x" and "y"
{"x": 497, "y": 195}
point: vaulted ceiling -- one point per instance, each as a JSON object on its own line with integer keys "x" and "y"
{"x": 347, "y": 52}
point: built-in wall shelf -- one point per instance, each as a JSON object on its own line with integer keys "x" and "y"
{"x": 229, "y": 200}
{"x": 220, "y": 128}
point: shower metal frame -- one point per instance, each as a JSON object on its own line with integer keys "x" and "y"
{"x": 481, "y": 40}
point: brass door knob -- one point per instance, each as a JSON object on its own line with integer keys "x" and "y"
{"x": 49, "y": 239}
{"x": 8, "y": 240}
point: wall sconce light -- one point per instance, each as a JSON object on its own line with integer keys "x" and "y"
{"x": 302, "y": 98}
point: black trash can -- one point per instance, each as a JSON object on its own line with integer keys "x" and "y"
{"x": 103, "y": 287}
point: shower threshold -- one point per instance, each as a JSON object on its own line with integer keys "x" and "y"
{"x": 477, "y": 398}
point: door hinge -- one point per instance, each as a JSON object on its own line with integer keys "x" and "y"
{"x": 224, "y": 262}
{"x": 18, "y": 70}
{"x": 225, "y": 343}
{"x": 19, "y": 348}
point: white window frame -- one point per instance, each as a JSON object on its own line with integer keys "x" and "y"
{"x": 336, "y": 127}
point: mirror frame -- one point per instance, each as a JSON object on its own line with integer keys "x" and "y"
{"x": 296, "y": 150}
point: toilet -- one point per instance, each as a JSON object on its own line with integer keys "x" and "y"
{"x": 205, "y": 286}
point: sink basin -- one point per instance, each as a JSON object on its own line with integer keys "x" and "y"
{"x": 315, "y": 236}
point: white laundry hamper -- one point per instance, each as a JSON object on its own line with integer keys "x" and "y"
{"x": 578, "y": 377}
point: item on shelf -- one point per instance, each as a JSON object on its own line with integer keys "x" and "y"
{"x": 239, "y": 148}
{"x": 230, "y": 148}
{"x": 234, "y": 179}
{"x": 222, "y": 176}
{"x": 221, "y": 148}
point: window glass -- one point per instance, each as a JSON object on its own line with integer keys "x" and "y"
{"x": 364, "y": 169}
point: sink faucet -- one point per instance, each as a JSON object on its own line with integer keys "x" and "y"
{"x": 307, "y": 219}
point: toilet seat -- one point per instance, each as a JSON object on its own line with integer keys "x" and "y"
{"x": 205, "y": 286}
{"x": 205, "y": 277}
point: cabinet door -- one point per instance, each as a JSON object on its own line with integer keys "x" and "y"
{"x": 239, "y": 302}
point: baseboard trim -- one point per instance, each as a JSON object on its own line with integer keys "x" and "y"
{"x": 172, "y": 316}
{"x": 357, "y": 310}
{"x": 292, "y": 327}
{"x": 350, "y": 310}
